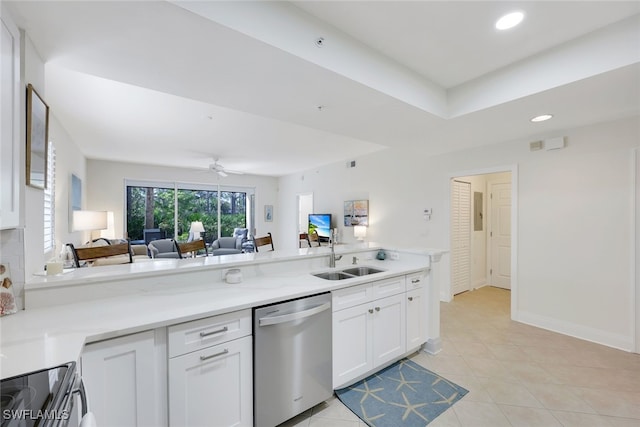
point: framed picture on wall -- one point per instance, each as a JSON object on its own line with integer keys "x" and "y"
{"x": 37, "y": 139}
{"x": 268, "y": 213}
{"x": 75, "y": 198}
{"x": 356, "y": 212}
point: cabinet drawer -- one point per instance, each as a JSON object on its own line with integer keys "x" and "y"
{"x": 388, "y": 287}
{"x": 198, "y": 334}
{"x": 415, "y": 281}
{"x": 349, "y": 297}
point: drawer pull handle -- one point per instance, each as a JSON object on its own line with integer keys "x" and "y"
{"x": 371, "y": 310}
{"x": 203, "y": 358}
{"x": 415, "y": 281}
{"x": 219, "y": 331}
{"x": 410, "y": 298}
{"x": 377, "y": 308}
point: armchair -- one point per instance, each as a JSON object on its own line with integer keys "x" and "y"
{"x": 163, "y": 248}
{"x": 226, "y": 246}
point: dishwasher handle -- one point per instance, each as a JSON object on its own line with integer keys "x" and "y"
{"x": 275, "y": 320}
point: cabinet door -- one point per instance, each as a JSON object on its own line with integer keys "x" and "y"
{"x": 125, "y": 380}
{"x": 415, "y": 319}
{"x": 389, "y": 329}
{"x": 10, "y": 151}
{"x": 212, "y": 387}
{"x": 352, "y": 346}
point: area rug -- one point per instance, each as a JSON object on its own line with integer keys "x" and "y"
{"x": 403, "y": 394}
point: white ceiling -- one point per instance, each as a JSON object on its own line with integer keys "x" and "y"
{"x": 179, "y": 83}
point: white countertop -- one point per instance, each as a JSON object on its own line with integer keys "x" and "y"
{"x": 38, "y": 338}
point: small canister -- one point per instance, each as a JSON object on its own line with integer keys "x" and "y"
{"x": 234, "y": 275}
{"x": 381, "y": 255}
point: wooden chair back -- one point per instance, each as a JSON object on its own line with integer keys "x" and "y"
{"x": 304, "y": 237}
{"x": 263, "y": 241}
{"x": 91, "y": 253}
{"x": 313, "y": 237}
{"x": 193, "y": 247}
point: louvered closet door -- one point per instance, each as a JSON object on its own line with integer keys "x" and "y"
{"x": 460, "y": 236}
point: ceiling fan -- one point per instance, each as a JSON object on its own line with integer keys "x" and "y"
{"x": 221, "y": 170}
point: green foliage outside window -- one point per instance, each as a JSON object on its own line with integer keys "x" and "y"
{"x": 152, "y": 207}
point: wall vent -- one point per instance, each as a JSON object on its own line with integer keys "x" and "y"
{"x": 535, "y": 146}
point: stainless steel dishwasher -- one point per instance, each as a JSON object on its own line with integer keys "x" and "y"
{"x": 292, "y": 358}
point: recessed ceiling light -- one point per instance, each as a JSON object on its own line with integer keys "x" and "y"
{"x": 509, "y": 20}
{"x": 541, "y": 118}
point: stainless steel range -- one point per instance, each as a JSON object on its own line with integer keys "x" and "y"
{"x": 42, "y": 398}
{"x": 292, "y": 358}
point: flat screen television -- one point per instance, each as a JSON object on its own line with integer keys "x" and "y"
{"x": 321, "y": 224}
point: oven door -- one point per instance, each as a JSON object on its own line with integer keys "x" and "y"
{"x": 52, "y": 397}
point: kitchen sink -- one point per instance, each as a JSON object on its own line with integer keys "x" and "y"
{"x": 334, "y": 275}
{"x": 348, "y": 273}
{"x": 362, "y": 271}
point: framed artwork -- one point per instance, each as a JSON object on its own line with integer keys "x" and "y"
{"x": 75, "y": 198}
{"x": 356, "y": 212}
{"x": 268, "y": 213}
{"x": 37, "y": 139}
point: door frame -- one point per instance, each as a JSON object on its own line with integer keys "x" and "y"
{"x": 446, "y": 292}
{"x": 635, "y": 249}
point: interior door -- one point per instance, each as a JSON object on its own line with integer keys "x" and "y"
{"x": 500, "y": 235}
{"x": 460, "y": 236}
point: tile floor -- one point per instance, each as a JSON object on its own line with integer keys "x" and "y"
{"x": 517, "y": 375}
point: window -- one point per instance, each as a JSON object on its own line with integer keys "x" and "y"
{"x": 172, "y": 207}
{"x": 50, "y": 201}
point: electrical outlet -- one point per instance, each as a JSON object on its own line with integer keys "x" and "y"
{"x": 394, "y": 256}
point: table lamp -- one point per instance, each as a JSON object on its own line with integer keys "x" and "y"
{"x": 196, "y": 229}
{"x": 359, "y": 232}
{"x": 89, "y": 221}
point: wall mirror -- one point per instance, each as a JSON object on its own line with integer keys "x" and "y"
{"x": 37, "y": 139}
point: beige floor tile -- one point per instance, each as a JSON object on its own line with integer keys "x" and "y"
{"x": 480, "y": 414}
{"x": 577, "y": 419}
{"x": 508, "y": 352}
{"x": 558, "y": 397}
{"x": 529, "y": 417}
{"x": 609, "y": 402}
{"x": 329, "y": 422}
{"x": 528, "y": 372}
{"x": 334, "y": 409}
{"x": 511, "y": 394}
{"x": 623, "y": 422}
{"x": 447, "y": 419}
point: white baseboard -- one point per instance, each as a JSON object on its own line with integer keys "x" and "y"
{"x": 619, "y": 341}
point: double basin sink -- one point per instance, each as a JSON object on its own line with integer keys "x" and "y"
{"x": 348, "y": 273}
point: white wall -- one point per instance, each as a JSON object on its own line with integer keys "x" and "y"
{"x": 105, "y": 189}
{"x": 33, "y": 67}
{"x": 69, "y": 160}
{"x": 574, "y": 222}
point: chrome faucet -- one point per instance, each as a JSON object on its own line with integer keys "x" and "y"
{"x": 333, "y": 258}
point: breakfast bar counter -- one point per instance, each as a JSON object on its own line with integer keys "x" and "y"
{"x": 65, "y": 312}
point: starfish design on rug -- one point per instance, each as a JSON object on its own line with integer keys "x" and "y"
{"x": 367, "y": 418}
{"x": 404, "y": 382}
{"x": 368, "y": 392}
{"x": 404, "y": 363}
{"x": 410, "y": 408}
{"x": 448, "y": 401}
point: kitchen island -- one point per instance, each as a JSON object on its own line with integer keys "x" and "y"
{"x": 65, "y": 313}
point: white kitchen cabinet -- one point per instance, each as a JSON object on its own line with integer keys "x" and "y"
{"x": 211, "y": 372}
{"x": 416, "y": 312}
{"x": 369, "y": 334}
{"x": 389, "y": 329}
{"x": 11, "y": 164}
{"x": 125, "y": 379}
{"x": 352, "y": 343}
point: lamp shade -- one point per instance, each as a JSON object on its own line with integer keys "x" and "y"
{"x": 196, "y": 227}
{"x": 89, "y": 220}
{"x": 360, "y": 232}
{"x": 110, "y": 231}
